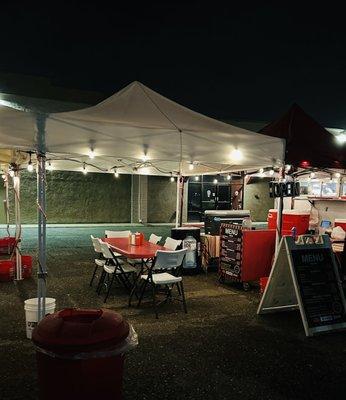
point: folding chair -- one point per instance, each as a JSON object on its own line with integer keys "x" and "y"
{"x": 117, "y": 234}
{"x": 172, "y": 244}
{"x": 114, "y": 269}
{"x": 100, "y": 261}
{"x": 168, "y": 261}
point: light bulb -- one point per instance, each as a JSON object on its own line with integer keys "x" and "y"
{"x": 91, "y": 154}
{"x": 312, "y": 175}
{"x": 215, "y": 181}
{"x": 30, "y": 167}
{"x": 84, "y": 169}
{"x": 229, "y": 177}
{"x": 172, "y": 179}
{"x": 191, "y": 166}
{"x": 49, "y": 167}
{"x": 341, "y": 138}
{"x": 196, "y": 178}
{"x": 337, "y": 175}
{"x": 116, "y": 174}
{"x": 271, "y": 172}
{"x": 236, "y": 155}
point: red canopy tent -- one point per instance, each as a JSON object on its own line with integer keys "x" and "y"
{"x": 308, "y": 144}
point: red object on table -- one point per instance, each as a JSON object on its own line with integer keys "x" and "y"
{"x": 123, "y": 246}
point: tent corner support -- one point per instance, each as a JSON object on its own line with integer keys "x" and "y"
{"x": 41, "y": 213}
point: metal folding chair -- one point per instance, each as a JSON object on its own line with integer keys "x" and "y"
{"x": 164, "y": 281}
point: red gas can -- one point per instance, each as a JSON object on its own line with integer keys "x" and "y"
{"x": 80, "y": 354}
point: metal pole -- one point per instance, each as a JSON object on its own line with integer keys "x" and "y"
{"x": 182, "y": 184}
{"x": 7, "y": 204}
{"x": 18, "y": 233}
{"x": 177, "y": 209}
{"x": 41, "y": 204}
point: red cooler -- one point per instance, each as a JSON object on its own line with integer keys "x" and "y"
{"x": 290, "y": 219}
{"x": 340, "y": 222}
{"x": 80, "y": 354}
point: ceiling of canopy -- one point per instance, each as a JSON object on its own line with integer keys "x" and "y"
{"x": 138, "y": 130}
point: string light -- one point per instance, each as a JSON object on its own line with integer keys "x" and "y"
{"x": 116, "y": 173}
{"x": 172, "y": 178}
{"x": 337, "y": 175}
{"x": 91, "y": 154}
{"x": 271, "y": 172}
{"x": 229, "y": 177}
{"x": 196, "y": 178}
{"x": 84, "y": 169}
{"x": 215, "y": 181}
{"x": 312, "y": 175}
{"x": 341, "y": 138}
{"x": 30, "y": 166}
{"x": 49, "y": 167}
{"x": 236, "y": 155}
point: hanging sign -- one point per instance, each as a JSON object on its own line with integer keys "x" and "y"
{"x": 305, "y": 277}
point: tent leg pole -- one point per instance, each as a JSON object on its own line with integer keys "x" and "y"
{"x": 177, "y": 208}
{"x": 41, "y": 203}
{"x": 18, "y": 233}
{"x": 181, "y": 201}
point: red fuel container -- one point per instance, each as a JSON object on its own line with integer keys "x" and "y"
{"x": 80, "y": 354}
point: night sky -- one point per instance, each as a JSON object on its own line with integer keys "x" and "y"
{"x": 237, "y": 62}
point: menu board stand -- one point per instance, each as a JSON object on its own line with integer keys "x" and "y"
{"x": 305, "y": 276}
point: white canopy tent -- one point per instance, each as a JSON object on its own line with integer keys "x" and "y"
{"x": 139, "y": 124}
{"x": 134, "y": 131}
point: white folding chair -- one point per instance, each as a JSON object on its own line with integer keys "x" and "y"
{"x": 164, "y": 261}
{"x": 100, "y": 261}
{"x": 154, "y": 238}
{"x": 172, "y": 244}
{"x": 114, "y": 269}
{"x": 117, "y": 234}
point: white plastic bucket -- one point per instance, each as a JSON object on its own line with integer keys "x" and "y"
{"x": 31, "y": 307}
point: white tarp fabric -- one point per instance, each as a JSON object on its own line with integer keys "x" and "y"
{"x": 139, "y": 128}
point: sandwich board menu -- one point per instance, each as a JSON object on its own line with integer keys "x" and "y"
{"x": 231, "y": 237}
{"x": 305, "y": 276}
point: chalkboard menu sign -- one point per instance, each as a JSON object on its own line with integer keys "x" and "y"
{"x": 318, "y": 286}
{"x": 231, "y": 237}
{"x": 305, "y": 276}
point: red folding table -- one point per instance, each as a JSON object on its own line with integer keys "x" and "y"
{"x": 123, "y": 247}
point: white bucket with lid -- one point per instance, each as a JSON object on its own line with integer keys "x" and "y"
{"x": 31, "y": 308}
